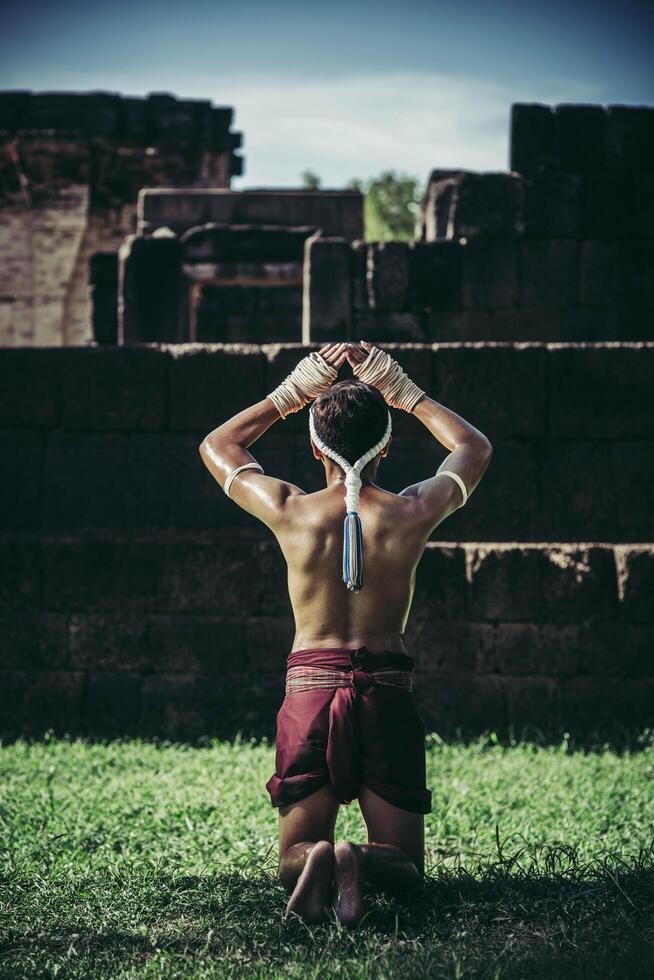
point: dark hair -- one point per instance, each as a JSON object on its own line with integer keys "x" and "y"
{"x": 351, "y": 417}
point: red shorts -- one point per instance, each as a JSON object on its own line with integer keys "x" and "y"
{"x": 366, "y": 734}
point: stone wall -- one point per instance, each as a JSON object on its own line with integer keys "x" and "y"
{"x": 136, "y": 598}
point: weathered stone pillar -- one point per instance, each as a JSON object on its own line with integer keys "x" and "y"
{"x": 103, "y": 290}
{"x": 327, "y": 298}
{"x": 150, "y": 282}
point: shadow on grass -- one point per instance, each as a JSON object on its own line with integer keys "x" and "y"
{"x": 549, "y": 918}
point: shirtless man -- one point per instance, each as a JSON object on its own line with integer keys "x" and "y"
{"x": 368, "y": 622}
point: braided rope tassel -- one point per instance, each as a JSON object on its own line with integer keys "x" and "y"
{"x": 352, "y": 530}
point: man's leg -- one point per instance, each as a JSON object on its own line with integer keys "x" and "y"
{"x": 393, "y": 858}
{"x": 306, "y": 855}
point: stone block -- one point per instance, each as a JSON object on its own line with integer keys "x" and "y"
{"x": 383, "y": 328}
{"x": 533, "y": 138}
{"x": 437, "y": 210}
{"x": 580, "y": 137}
{"x": 533, "y": 649}
{"x": 549, "y": 272}
{"x": 197, "y": 644}
{"x": 613, "y": 649}
{"x": 114, "y": 640}
{"x": 83, "y": 481}
{"x": 541, "y": 324}
{"x": 453, "y": 647}
{"x": 20, "y": 573}
{"x": 51, "y": 699}
{"x": 459, "y": 326}
{"x": 554, "y": 205}
{"x": 504, "y": 583}
{"x": 499, "y": 389}
{"x": 388, "y": 270}
{"x": 33, "y": 640}
{"x": 610, "y": 206}
{"x": 600, "y": 703}
{"x": 103, "y": 293}
{"x": 468, "y": 702}
{"x": 435, "y": 276}
{"x": 268, "y": 642}
{"x": 21, "y": 454}
{"x": 583, "y": 325}
{"x": 114, "y": 390}
{"x": 241, "y": 577}
{"x": 490, "y": 274}
{"x": 630, "y": 137}
{"x": 208, "y": 385}
{"x": 328, "y": 290}
{"x": 112, "y": 703}
{"x": 440, "y": 590}
{"x": 632, "y": 470}
{"x": 579, "y": 584}
{"x": 636, "y": 575}
{"x": 360, "y": 250}
{"x": 170, "y": 707}
{"x": 569, "y": 510}
{"x": 533, "y": 705}
{"x": 601, "y": 392}
{"x": 487, "y": 205}
{"x": 30, "y": 388}
{"x": 505, "y": 507}
{"x": 150, "y": 289}
{"x": 81, "y": 574}
{"x": 617, "y": 274}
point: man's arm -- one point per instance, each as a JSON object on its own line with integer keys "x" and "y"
{"x": 470, "y": 450}
{"x": 470, "y": 455}
{"x": 226, "y": 448}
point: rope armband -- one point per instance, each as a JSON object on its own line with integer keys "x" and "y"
{"x": 239, "y": 469}
{"x": 455, "y": 476}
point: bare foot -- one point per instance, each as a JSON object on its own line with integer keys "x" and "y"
{"x": 348, "y": 882}
{"x": 310, "y": 898}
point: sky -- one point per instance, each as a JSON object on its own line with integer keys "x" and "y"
{"x": 344, "y": 89}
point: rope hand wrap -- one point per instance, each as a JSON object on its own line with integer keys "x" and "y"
{"x": 307, "y": 380}
{"x": 384, "y": 373}
{"x": 352, "y": 532}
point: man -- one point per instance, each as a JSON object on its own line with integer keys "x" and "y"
{"x": 347, "y": 727}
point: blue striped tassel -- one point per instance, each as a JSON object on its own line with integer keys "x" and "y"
{"x": 353, "y": 552}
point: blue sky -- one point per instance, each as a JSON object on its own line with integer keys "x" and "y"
{"x": 344, "y": 89}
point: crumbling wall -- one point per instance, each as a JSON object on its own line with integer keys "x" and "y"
{"x": 71, "y": 167}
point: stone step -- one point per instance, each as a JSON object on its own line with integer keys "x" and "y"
{"x": 181, "y": 635}
{"x": 109, "y": 437}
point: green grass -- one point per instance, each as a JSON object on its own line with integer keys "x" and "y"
{"x": 143, "y": 860}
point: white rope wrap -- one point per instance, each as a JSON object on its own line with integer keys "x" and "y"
{"x": 455, "y": 476}
{"x": 239, "y": 469}
{"x": 307, "y": 380}
{"x": 352, "y": 472}
{"x": 384, "y": 373}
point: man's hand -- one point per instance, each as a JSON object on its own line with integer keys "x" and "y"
{"x": 357, "y": 353}
{"x": 335, "y": 354}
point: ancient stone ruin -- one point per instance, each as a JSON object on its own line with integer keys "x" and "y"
{"x": 136, "y": 598}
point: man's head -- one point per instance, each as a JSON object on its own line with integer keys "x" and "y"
{"x": 351, "y": 417}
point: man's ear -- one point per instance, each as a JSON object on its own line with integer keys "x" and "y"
{"x": 316, "y": 452}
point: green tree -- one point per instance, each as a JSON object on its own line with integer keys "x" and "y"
{"x": 310, "y": 180}
{"x": 391, "y": 203}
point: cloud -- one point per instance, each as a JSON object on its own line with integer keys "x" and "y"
{"x": 359, "y": 125}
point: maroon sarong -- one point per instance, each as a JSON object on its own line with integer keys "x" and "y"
{"x": 365, "y": 734}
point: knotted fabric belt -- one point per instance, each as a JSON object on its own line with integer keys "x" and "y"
{"x": 353, "y": 674}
